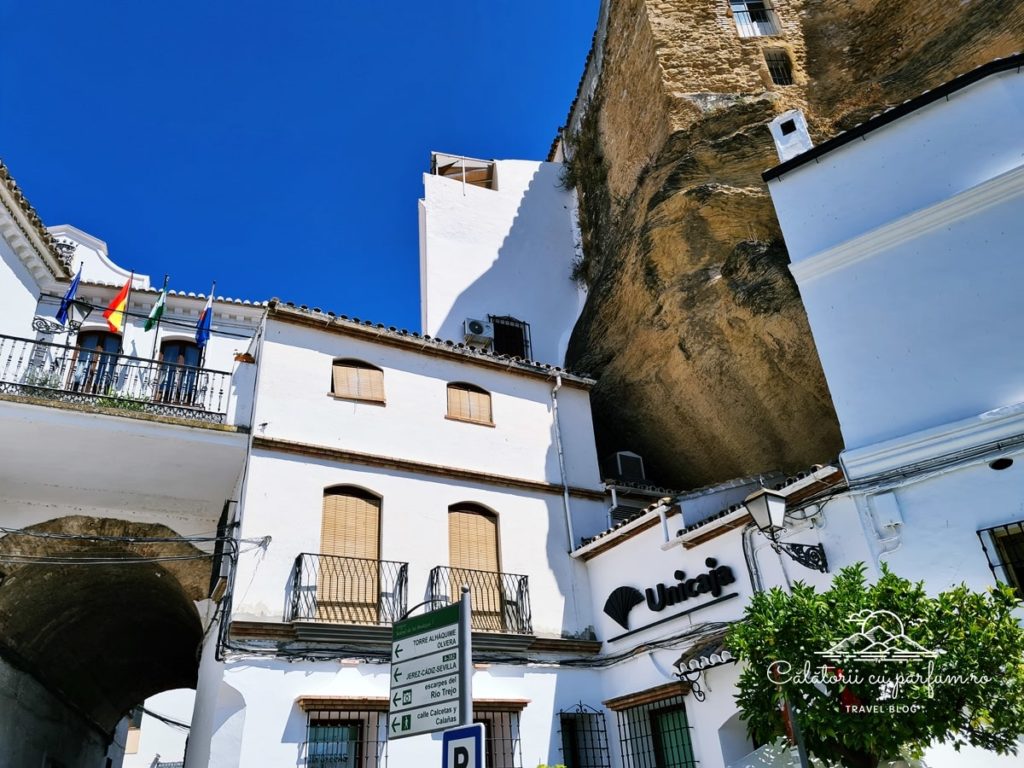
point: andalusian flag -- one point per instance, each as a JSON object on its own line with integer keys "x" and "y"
{"x": 118, "y": 307}
{"x": 158, "y": 308}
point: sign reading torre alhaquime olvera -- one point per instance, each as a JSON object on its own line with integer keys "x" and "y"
{"x": 681, "y": 589}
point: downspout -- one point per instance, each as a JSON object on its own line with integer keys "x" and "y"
{"x": 561, "y": 462}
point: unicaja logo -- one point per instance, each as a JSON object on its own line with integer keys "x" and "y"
{"x": 881, "y": 638}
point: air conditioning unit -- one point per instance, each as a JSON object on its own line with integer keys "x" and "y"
{"x": 478, "y": 331}
{"x": 629, "y": 466}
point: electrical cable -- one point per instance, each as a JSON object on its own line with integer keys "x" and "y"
{"x": 167, "y": 720}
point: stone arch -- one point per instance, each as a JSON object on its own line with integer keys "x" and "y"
{"x": 107, "y": 635}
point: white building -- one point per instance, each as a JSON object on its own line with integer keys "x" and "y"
{"x": 498, "y": 241}
{"x": 107, "y": 442}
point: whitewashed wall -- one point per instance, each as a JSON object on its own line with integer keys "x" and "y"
{"x": 906, "y": 248}
{"x": 273, "y": 728}
{"x": 295, "y": 404}
{"x": 503, "y": 251}
{"x": 284, "y": 499}
{"x": 18, "y": 294}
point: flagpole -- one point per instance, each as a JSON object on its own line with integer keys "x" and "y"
{"x": 156, "y": 334}
{"x": 124, "y": 314}
{"x": 202, "y": 359}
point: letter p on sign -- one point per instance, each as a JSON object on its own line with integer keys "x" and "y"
{"x": 463, "y": 747}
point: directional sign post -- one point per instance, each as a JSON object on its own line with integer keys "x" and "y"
{"x": 431, "y": 665}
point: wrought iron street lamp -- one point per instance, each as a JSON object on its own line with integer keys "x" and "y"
{"x": 768, "y": 509}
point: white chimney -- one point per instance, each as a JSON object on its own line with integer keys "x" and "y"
{"x": 790, "y": 133}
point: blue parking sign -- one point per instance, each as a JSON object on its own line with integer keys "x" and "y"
{"x": 463, "y": 747}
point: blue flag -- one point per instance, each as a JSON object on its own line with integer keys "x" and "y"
{"x": 203, "y": 326}
{"x": 65, "y": 303}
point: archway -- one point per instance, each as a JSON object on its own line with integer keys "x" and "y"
{"x": 99, "y": 635}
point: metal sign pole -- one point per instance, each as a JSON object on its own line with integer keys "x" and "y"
{"x": 466, "y": 657}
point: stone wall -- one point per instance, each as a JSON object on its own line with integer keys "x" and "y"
{"x": 693, "y": 324}
{"x": 38, "y": 728}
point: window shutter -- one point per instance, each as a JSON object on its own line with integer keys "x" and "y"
{"x": 357, "y": 380}
{"x": 473, "y": 545}
{"x": 469, "y": 403}
{"x": 347, "y": 590}
{"x": 472, "y": 540}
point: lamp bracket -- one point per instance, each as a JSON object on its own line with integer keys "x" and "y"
{"x": 810, "y": 556}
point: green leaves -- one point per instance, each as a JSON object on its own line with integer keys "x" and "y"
{"x": 955, "y": 671}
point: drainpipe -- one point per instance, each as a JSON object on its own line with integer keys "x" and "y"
{"x": 663, "y": 508}
{"x": 561, "y": 462}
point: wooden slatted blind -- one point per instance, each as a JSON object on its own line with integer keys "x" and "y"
{"x": 348, "y": 589}
{"x": 473, "y": 545}
{"x": 357, "y": 380}
{"x": 469, "y": 403}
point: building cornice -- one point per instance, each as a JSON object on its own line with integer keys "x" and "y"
{"x": 21, "y": 226}
{"x": 421, "y": 344}
{"x": 968, "y": 203}
{"x": 343, "y": 456}
{"x": 962, "y": 441}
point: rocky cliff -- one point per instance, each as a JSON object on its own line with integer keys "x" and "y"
{"x": 693, "y": 324}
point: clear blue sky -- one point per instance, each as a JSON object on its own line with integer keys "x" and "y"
{"x": 277, "y": 148}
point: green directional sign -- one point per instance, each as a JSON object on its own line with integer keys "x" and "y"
{"x": 425, "y": 674}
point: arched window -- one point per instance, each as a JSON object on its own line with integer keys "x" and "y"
{"x": 468, "y": 402}
{"x": 348, "y": 581}
{"x": 179, "y": 374}
{"x": 95, "y": 362}
{"x": 357, "y": 380}
{"x": 474, "y": 560}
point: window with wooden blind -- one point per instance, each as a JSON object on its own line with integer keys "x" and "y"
{"x": 348, "y": 582}
{"x": 356, "y": 380}
{"x": 473, "y": 557}
{"x": 467, "y": 402}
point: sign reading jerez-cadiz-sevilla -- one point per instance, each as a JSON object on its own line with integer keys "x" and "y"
{"x": 682, "y": 589}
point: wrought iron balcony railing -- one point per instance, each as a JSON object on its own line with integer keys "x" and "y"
{"x": 91, "y": 376}
{"x": 348, "y": 590}
{"x": 501, "y": 601}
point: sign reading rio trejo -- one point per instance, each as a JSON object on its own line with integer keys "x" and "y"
{"x": 425, "y": 663}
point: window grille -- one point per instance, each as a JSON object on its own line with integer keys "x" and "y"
{"x": 1004, "y": 548}
{"x": 501, "y": 738}
{"x": 356, "y": 380}
{"x": 467, "y": 402}
{"x": 656, "y": 735}
{"x": 779, "y": 66}
{"x": 754, "y": 18}
{"x": 511, "y": 337}
{"x": 346, "y": 738}
{"x": 584, "y": 738}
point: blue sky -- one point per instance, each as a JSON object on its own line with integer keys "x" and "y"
{"x": 278, "y": 150}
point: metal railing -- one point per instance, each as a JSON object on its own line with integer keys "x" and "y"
{"x": 757, "y": 21}
{"x": 91, "y": 376}
{"x": 501, "y": 601}
{"x": 348, "y": 590}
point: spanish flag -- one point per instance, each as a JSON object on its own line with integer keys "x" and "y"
{"x": 115, "y": 312}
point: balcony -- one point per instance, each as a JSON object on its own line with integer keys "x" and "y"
{"x": 92, "y": 377}
{"x": 501, "y": 601}
{"x": 332, "y": 589}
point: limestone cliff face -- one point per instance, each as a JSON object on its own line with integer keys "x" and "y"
{"x": 693, "y": 324}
